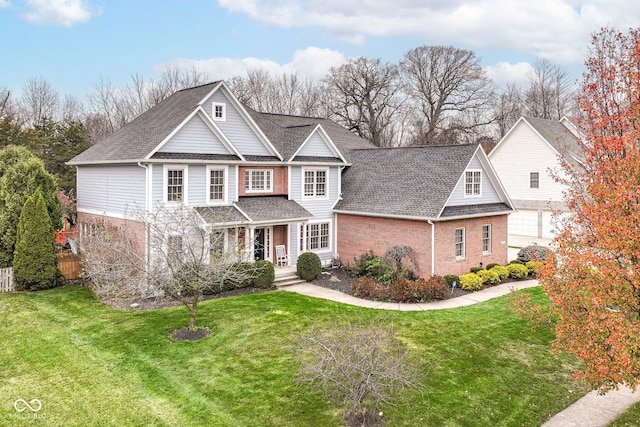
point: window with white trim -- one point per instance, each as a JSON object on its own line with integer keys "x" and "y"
{"x": 258, "y": 180}
{"x": 459, "y": 239}
{"x": 217, "y": 185}
{"x": 486, "y": 238}
{"x": 175, "y": 178}
{"x": 534, "y": 179}
{"x": 472, "y": 183}
{"x": 315, "y": 183}
{"x": 315, "y": 236}
{"x": 219, "y": 111}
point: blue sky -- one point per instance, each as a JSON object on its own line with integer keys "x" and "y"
{"x": 76, "y": 43}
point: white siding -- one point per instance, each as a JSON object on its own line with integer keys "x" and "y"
{"x": 194, "y": 137}
{"x": 524, "y": 152}
{"x": 118, "y": 190}
{"x": 236, "y": 129}
{"x": 316, "y": 147}
{"x": 488, "y": 193}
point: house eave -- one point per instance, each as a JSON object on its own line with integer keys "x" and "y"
{"x": 381, "y": 215}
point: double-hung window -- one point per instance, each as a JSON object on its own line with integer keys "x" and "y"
{"x": 315, "y": 183}
{"x": 472, "y": 183}
{"x": 217, "y": 185}
{"x": 219, "y": 111}
{"x": 459, "y": 242}
{"x": 314, "y": 236}
{"x": 258, "y": 180}
{"x": 486, "y": 238}
{"x": 534, "y": 179}
{"x": 175, "y": 184}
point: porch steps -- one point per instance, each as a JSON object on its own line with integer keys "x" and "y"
{"x": 286, "y": 276}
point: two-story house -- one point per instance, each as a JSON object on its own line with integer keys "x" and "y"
{"x": 528, "y": 160}
{"x": 270, "y": 180}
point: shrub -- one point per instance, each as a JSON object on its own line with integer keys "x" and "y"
{"x": 436, "y": 288}
{"x": 450, "y": 278}
{"x": 533, "y": 253}
{"x": 534, "y": 267}
{"x": 517, "y": 271}
{"x": 475, "y": 269}
{"x": 366, "y": 287}
{"x": 229, "y": 284}
{"x": 470, "y": 282}
{"x": 266, "y": 274}
{"x": 491, "y": 265}
{"x": 359, "y": 266}
{"x": 308, "y": 266}
{"x": 516, "y": 261}
{"x": 419, "y": 290}
{"x": 381, "y": 270}
{"x": 502, "y": 272}
{"x": 489, "y": 277}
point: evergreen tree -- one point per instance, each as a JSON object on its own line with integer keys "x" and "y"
{"x": 35, "y": 265}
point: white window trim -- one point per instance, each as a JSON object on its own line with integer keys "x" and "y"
{"x": 530, "y": 180}
{"x": 303, "y": 236}
{"x": 489, "y": 238}
{"x": 464, "y": 183}
{"x": 326, "y": 184}
{"x": 185, "y": 182}
{"x": 464, "y": 243}
{"x": 267, "y": 190}
{"x": 224, "y": 111}
{"x": 225, "y": 190}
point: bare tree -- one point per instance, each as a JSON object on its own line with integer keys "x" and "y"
{"x": 363, "y": 96}
{"x": 508, "y": 108}
{"x": 39, "y": 101}
{"x": 551, "y": 93}
{"x": 6, "y": 104}
{"x": 450, "y": 90}
{"x": 356, "y": 363}
{"x": 186, "y": 258}
{"x": 72, "y": 109}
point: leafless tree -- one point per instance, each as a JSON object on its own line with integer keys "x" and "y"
{"x": 551, "y": 93}
{"x": 186, "y": 258}
{"x": 450, "y": 90}
{"x": 356, "y": 363}
{"x": 508, "y": 108}
{"x": 363, "y": 96}
{"x": 72, "y": 109}
{"x": 6, "y": 103}
{"x": 39, "y": 101}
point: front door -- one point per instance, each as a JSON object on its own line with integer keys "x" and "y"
{"x": 262, "y": 244}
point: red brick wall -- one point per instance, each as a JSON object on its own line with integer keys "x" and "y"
{"x": 360, "y": 234}
{"x": 134, "y": 229}
{"x": 280, "y": 181}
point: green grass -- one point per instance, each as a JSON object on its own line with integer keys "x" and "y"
{"x": 91, "y": 365}
{"x": 629, "y": 418}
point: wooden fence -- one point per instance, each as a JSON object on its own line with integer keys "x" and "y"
{"x": 6, "y": 280}
{"x": 69, "y": 265}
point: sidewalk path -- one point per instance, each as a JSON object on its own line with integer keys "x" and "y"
{"x": 592, "y": 410}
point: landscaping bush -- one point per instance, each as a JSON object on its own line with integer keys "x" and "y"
{"x": 266, "y": 274}
{"x": 516, "y": 261}
{"x": 419, "y": 290}
{"x": 436, "y": 288}
{"x": 534, "y": 267}
{"x": 517, "y": 271}
{"x": 470, "y": 282}
{"x": 229, "y": 284}
{"x": 475, "y": 269}
{"x": 450, "y": 278}
{"x": 502, "y": 272}
{"x": 533, "y": 253}
{"x": 359, "y": 266}
{"x": 308, "y": 266}
{"x": 366, "y": 287}
{"x": 376, "y": 267}
{"x": 491, "y": 265}
{"x": 489, "y": 277}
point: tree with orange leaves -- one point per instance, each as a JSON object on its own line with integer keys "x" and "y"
{"x": 593, "y": 281}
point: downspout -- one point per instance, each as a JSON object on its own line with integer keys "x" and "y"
{"x": 433, "y": 248}
{"x": 147, "y": 203}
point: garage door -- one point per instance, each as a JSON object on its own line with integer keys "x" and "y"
{"x": 524, "y": 223}
{"x": 551, "y": 223}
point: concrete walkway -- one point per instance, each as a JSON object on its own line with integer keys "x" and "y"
{"x": 592, "y": 410}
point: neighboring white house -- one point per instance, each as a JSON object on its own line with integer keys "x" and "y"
{"x": 527, "y": 159}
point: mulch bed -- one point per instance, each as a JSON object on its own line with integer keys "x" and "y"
{"x": 184, "y": 334}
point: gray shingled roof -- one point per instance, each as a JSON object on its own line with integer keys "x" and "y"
{"x": 138, "y": 138}
{"x": 558, "y": 135}
{"x": 287, "y": 133}
{"x": 272, "y": 208}
{"x": 486, "y": 209}
{"x": 220, "y": 214}
{"x": 407, "y": 181}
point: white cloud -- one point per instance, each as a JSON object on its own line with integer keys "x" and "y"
{"x": 4, "y": 4}
{"x": 558, "y": 30}
{"x": 504, "y": 72}
{"x": 59, "y": 12}
{"x": 312, "y": 62}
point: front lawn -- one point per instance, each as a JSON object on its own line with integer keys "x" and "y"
{"x": 92, "y": 365}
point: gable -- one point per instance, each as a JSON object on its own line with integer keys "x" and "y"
{"x": 235, "y": 127}
{"x": 194, "y": 137}
{"x": 488, "y": 193}
{"x": 524, "y": 147}
{"x": 315, "y": 146}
